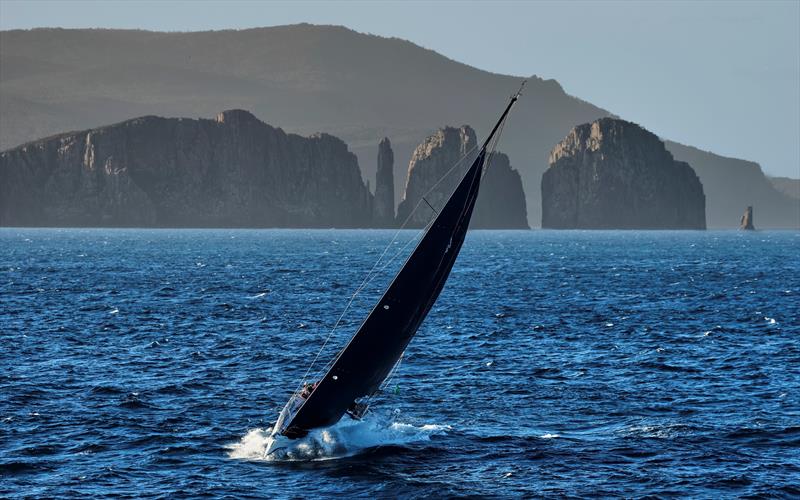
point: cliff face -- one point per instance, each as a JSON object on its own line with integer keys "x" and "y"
{"x": 383, "y": 207}
{"x": 501, "y": 202}
{"x": 309, "y": 78}
{"x": 430, "y": 161}
{"x": 613, "y": 174}
{"x": 53, "y": 80}
{"x": 231, "y": 171}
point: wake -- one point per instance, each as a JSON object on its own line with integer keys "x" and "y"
{"x": 346, "y": 438}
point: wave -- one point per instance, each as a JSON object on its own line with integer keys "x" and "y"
{"x": 344, "y": 439}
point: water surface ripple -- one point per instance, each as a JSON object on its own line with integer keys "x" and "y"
{"x": 555, "y": 363}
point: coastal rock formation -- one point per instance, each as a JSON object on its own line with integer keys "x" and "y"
{"x": 746, "y": 221}
{"x": 383, "y": 205}
{"x": 232, "y": 171}
{"x": 430, "y": 161}
{"x": 52, "y": 80}
{"x": 613, "y": 174}
{"x": 501, "y": 202}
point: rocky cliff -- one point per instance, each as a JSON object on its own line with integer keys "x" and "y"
{"x": 613, "y": 174}
{"x": 231, "y": 171}
{"x": 383, "y": 206}
{"x": 312, "y": 78}
{"x": 501, "y": 202}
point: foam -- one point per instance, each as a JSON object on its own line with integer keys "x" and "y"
{"x": 346, "y": 438}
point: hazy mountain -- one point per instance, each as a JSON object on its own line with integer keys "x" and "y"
{"x": 315, "y": 78}
{"x": 732, "y": 185}
{"x": 787, "y": 186}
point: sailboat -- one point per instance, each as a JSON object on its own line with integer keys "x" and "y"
{"x": 360, "y": 368}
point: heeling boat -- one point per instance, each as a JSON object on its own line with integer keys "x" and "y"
{"x": 366, "y": 361}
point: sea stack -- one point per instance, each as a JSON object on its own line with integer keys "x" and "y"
{"x": 383, "y": 206}
{"x": 232, "y": 171}
{"x": 746, "y": 222}
{"x": 429, "y": 163}
{"x": 501, "y": 202}
{"x": 613, "y": 174}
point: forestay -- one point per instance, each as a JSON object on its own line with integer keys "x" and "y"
{"x": 380, "y": 341}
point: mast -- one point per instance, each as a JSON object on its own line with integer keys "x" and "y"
{"x": 511, "y": 102}
{"x": 368, "y": 358}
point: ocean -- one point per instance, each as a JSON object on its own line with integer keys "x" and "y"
{"x": 151, "y": 363}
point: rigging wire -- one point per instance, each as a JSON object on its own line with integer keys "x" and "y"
{"x": 491, "y": 150}
{"x": 372, "y": 273}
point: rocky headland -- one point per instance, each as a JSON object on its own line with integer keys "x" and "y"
{"x": 232, "y": 171}
{"x": 309, "y": 78}
{"x": 613, "y": 174}
{"x": 501, "y": 202}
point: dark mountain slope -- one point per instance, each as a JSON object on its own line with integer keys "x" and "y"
{"x": 735, "y": 184}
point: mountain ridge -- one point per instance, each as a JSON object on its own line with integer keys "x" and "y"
{"x": 358, "y": 87}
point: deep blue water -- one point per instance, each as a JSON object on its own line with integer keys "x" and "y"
{"x": 554, "y": 363}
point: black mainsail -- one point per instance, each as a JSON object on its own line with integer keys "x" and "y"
{"x": 365, "y": 362}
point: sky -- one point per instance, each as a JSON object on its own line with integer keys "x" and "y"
{"x": 720, "y": 75}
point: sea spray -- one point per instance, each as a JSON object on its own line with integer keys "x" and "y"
{"x": 346, "y": 438}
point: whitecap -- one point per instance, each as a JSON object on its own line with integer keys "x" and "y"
{"x": 657, "y": 431}
{"x": 346, "y": 438}
{"x": 550, "y": 436}
{"x": 258, "y": 295}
